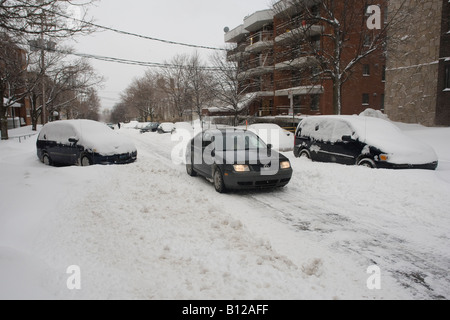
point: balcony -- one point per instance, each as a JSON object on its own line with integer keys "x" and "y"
{"x": 260, "y": 41}
{"x": 258, "y": 20}
{"x": 296, "y": 28}
{"x": 257, "y": 66}
{"x": 238, "y": 54}
{"x": 300, "y": 91}
{"x": 296, "y": 63}
{"x": 236, "y": 35}
{"x": 302, "y": 31}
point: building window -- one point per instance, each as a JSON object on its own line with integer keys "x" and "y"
{"x": 447, "y": 78}
{"x": 366, "y": 70}
{"x": 315, "y": 103}
{"x": 365, "y": 99}
{"x": 382, "y": 102}
{"x": 383, "y": 74}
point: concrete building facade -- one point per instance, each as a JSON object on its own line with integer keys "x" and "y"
{"x": 418, "y": 64}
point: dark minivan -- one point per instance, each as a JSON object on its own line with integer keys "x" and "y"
{"x": 236, "y": 159}
{"x": 360, "y": 140}
{"x": 83, "y": 142}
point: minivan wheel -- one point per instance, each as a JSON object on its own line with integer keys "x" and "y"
{"x": 190, "y": 169}
{"x": 219, "y": 185}
{"x": 85, "y": 161}
{"x": 368, "y": 163}
{"x": 304, "y": 154}
{"x": 46, "y": 160}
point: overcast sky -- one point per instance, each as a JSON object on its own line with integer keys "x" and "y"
{"x": 199, "y": 22}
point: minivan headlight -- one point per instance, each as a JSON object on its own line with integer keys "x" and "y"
{"x": 241, "y": 168}
{"x": 285, "y": 165}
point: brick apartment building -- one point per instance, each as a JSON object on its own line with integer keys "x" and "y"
{"x": 280, "y": 69}
{"x": 418, "y": 67}
{"x": 18, "y": 109}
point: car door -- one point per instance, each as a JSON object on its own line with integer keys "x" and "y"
{"x": 345, "y": 149}
{"x": 208, "y": 153}
{"x": 49, "y": 146}
{"x": 68, "y": 147}
{"x": 321, "y": 147}
{"x": 200, "y": 143}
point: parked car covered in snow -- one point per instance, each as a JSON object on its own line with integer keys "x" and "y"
{"x": 183, "y": 126}
{"x": 83, "y": 142}
{"x": 359, "y": 140}
{"x": 166, "y": 127}
{"x": 279, "y": 138}
{"x": 151, "y": 127}
{"x": 236, "y": 159}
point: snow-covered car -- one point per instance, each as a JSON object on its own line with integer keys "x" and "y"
{"x": 185, "y": 126}
{"x": 151, "y": 127}
{"x": 359, "y": 140}
{"x": 270, "y": 133}
{"x": 166, "y": 127}
{"x": 236, "y": 159}
{"x": 83, "y": 142}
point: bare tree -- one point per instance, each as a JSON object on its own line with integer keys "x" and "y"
{"x": 88, "y": 107}
{"x": 336, "y": 34}
{"x": 12, "y": 79}
{"x": 51, "y": 18}
{"x": 143, "y": 95}
{"x": 176, "y": 86}
{"x": 32, "y": 20}
{"x": 231, "y": 85}
{"x": 200, "y": 84}
{"x": 122, "y": 113}
{"x": 66, "y": 84}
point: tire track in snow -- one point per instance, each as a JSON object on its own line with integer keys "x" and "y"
{"x": 415, "y": 268}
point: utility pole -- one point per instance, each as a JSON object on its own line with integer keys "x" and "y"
{"x": 43, "y": 69}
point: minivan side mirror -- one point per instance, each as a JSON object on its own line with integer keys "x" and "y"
{"x": 347, "y": 138}
{"x": 73, "y": 140}
{"x": 269, "y": 146}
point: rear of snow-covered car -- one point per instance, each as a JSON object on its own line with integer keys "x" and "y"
{"x": 280, "y": 139}
{"x": 360, "y": 140}
{"x": 83, "y": 142}
{"x": 166, "y": 127}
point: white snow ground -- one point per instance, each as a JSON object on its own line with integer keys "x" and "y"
{"x": 149, "y": 231}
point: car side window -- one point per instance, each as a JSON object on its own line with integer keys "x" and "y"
{"x": 207, "y": 139}
{"x": 341, "y": 128}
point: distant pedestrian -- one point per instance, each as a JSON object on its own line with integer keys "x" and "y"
{"x": 118, "y": 125}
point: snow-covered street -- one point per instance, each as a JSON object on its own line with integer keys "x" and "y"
{"x": 149, "y": 231}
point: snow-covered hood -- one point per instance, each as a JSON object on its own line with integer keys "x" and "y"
{"x": 103, "y": 140}
{"x": 391, "y": 140}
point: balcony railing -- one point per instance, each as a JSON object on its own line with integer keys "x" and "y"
{"x": 260, "y": 41}
{"x": 238, "y": 53}
{"x": 295, "y": 28}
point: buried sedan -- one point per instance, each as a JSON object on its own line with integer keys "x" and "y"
{"x": 236, "y": 159}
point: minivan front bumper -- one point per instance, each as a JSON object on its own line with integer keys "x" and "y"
{"x": 426, "y": 166}
{"x": 124, "y": 158}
